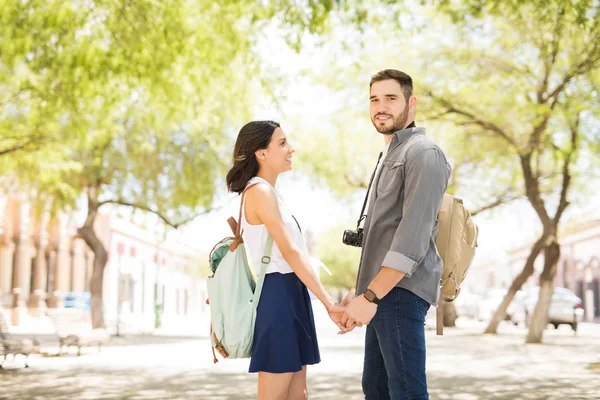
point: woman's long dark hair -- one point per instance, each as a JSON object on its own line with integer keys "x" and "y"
{"x": 253, "y": 136}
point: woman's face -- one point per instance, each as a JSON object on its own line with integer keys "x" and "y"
{"x": 278, "y": 155}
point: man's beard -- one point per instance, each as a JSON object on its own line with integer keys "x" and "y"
{"x": 398, "y": 123}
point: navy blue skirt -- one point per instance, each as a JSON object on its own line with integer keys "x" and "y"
{"x": 285, "y": 338}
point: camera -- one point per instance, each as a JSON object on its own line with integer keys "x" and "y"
{"x": 353, "y": 238}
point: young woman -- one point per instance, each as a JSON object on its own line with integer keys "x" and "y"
{"x": 285, "y": 340}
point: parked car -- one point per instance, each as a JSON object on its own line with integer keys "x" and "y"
{"x": 565, "y": 307}
{"x": 490, "y": 303}
{"x": 467, "y": 305}
{"x": 79, "y": 300}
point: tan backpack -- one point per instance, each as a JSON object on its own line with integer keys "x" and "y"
{"x": 456, "y": 241}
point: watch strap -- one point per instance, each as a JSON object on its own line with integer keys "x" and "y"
{"x": 371, "y": 296}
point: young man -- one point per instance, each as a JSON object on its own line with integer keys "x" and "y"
{"x": 400, "y": 269}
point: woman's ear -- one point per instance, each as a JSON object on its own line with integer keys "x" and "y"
{"x": 260, "y": 154}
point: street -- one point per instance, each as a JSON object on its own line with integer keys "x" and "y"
{"x": 462, "y": 365}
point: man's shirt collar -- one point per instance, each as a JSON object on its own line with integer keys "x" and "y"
{"x": 402, "y": 135}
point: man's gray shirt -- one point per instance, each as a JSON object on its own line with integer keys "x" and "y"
{"x": 400, "y": 228}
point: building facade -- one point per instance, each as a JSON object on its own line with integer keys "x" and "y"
{"x": 148, "y": 281}
{"x": 578, "y": 268}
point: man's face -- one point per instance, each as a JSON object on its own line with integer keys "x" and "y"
{"x": 389, "y": 109}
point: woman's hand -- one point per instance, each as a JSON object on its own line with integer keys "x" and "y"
{"x": 349, "y": 297}
{"x": 336, "y": 312}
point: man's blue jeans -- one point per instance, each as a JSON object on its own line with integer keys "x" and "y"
{"x": 395, "y": 349}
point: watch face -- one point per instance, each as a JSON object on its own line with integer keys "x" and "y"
{"x": 370, "y": 296}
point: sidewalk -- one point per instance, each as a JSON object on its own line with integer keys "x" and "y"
{"x": 192, "y": 326}
{"x": 462, "y": 365}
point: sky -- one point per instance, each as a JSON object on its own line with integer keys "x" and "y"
{"x": 301, "y": 103}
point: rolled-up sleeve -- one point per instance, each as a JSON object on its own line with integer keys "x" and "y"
{"x": 425, "y": 183}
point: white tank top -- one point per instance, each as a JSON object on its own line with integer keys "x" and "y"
{"x": 255, "y": 236}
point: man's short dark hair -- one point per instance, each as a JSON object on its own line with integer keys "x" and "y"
{"x": 402, "y": 78}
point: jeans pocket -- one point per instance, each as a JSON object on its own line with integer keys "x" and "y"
{"x": 422, "y": 307}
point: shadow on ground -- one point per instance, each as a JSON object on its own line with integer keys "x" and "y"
{"x": 115, "y": 341}
{"x": 141, "y": 383}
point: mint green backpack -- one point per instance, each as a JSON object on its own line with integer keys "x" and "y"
{"x": 233, "y": 293}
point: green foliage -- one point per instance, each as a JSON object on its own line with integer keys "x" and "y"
{"x": 139, "y": 99}
{"x": 545, "y": 10}
{"x": 136, "y": 94}
{"x": 341, "y": 260}
{"x": 485, "y": 86}
{"x": 129, "y": 102}
{"x": 526, "y": 82}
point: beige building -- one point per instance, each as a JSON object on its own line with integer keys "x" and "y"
{"x": 578, "y": 268}
{"x": 41, "y": 260}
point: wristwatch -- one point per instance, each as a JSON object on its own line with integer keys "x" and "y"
{"x": 371, "y": 296}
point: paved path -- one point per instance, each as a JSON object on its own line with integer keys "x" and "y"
{"x": 462, "y": 365}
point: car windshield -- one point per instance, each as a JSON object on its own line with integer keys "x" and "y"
{"x": 559, "y": 292}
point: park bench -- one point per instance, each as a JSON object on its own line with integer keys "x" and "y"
{"x": 14, "y": 347}
{"x": 74, "y": 328}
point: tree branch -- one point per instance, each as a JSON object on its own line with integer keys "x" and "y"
{"x": 580, "y": 69}
{"x": 475, "y": 120}
{"x": 563, "y": 203}
{"x": 533, "y": 191}
{"x": 31, "y": 142}
{"x": 438, "y": 115}
{"x": 500, "y": 200}
{"x": 536, "y": 135}
{"x": 159, "y": 214}
{"x": 549, "y": 62}
{"x": 355, "y": 182}
{"x": 12, "y": 149}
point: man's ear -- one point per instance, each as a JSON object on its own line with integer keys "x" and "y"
{"x": 412, "y": 101}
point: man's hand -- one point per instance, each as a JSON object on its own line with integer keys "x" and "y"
{"x": 359, "y": 312}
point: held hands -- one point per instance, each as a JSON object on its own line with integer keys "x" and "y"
{"x": 359, "y": 312}
{"x": 355, "y": 311}
{"x": 347, "y": 299}
{"x": 337, "y": 310}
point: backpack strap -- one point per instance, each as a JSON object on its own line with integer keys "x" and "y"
{"x": 439, "y": 317}
{"x": 237, "y": 227}
{"x": 266, "y": 259}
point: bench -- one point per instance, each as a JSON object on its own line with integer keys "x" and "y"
{"x": 15, "y": 347}
{"x": 74, "y": 328}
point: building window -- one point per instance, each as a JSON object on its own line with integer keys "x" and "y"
{"x": 596, "y": 295}
{"x": 186, "y": 302}
{"x": 143, "y": 287}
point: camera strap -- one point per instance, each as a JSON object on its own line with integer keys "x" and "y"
{"x": 300, "y": 229}
{"x": 362, "y": 212}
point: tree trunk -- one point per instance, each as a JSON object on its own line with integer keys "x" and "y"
{"x": 539, "y": 319}
{"x": 516, "y": 284}
{"x": 450, "y": 315}
{"x": 88, "y": 234}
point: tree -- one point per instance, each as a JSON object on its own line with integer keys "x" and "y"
{"x": 139, "y": 98}
{"x": 543, "y": 74}
{"x": 515, "y": 96}
{"x": 137, "y": 125}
